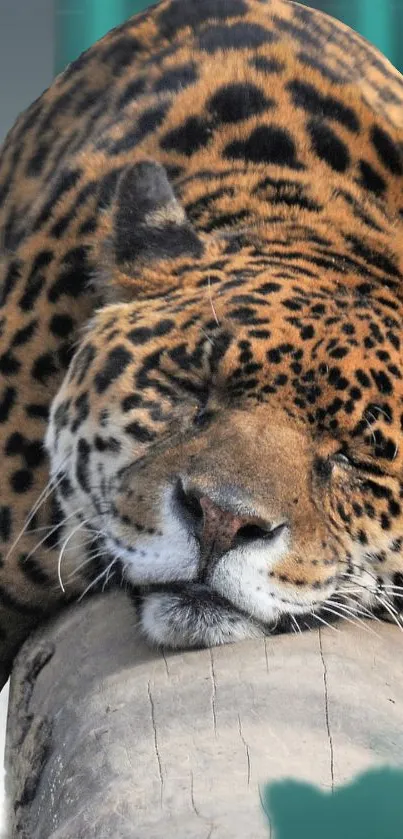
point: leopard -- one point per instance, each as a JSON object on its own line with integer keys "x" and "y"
{"x": 201, "y": 396}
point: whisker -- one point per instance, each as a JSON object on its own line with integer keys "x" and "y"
{"x": 109, "y": 576}
{"x": 44, "y": 495}
{"x": 366, "y": 613}
{"x": 356, "y": 612}
{"x": 322, "y": 620}
{"x": 386, "y": 588}
{"x": 397, "y": 591}
{"x": 85, "y": 541}
{"x": 356, "y": 590}
{"x": 339, "y": 614}
{"x": 47, "y": 535}
{"x": 211, "y": 301}
{"x": 395, "y": 615}
{"x": 207, "y": 336}
{"x": 295, "y": 625}
{"x": 33, "y": 530}
{"x": 97, "y": 554}
{"x": 393, "y": 608}
{"x": 65, "y": 543}
{"x": 96, "y": 580}
{"x": 341, "y": 611}
{"x": 365, "y": 570}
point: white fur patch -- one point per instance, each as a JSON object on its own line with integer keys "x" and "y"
{"x": 168, "y": 621}
{"x": 171, "y": 556}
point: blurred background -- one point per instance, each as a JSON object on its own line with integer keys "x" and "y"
{"x": 39, "y": 37}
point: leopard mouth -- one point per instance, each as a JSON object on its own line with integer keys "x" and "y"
{"x": 182, "y": 615}
{"x": 194, "y": 612}
{"x": 191, "y": 611}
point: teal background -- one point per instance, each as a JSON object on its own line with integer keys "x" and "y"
{"x": 371, "y": 807}
{"x": 81, "y": 22}
{"x": 26, "y": 56}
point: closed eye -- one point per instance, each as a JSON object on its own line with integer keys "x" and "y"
{"x": 343, "y": 459}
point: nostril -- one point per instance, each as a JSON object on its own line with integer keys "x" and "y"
{"x": 193, "y": 506}
{"x": 217, "y": 528}
{"x": 188, "y": 503}
{"x": 251, "y": 532}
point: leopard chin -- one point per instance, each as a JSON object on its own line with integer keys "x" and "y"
{"x": 192, "y": 615}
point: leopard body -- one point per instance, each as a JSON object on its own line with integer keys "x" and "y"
{"x": 201, "y": 272}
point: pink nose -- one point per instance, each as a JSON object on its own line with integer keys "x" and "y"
{"x": 223, "y": 530}
{"x": 216, "y": 527}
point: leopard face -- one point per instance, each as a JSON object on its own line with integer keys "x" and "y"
{"x": 201, "y": 306}
{"x": 239, "y": 439}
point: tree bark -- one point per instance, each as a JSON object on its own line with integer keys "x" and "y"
{"x": 109, "y": 738}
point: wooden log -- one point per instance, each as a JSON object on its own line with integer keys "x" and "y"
{"x": 109, "y": 738}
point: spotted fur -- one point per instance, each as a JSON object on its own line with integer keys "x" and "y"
{"x": 202, "y": 267}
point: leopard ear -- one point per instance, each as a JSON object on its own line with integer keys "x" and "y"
{"x": 150, "y": 224}
{"x": 150, "y": 232}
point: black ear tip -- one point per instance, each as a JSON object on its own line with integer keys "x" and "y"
{"x": 150, "y": 224}
{"x": 145, "y": 184}
{"x": 148, "y": 168}
{"x": 143, "y": 171}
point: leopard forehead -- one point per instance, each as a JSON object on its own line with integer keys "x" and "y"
{"x": 330, "y": 362}
{"x": 221, "y": 181}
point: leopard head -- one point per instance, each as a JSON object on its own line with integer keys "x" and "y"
{"x": 229, "y": 436}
